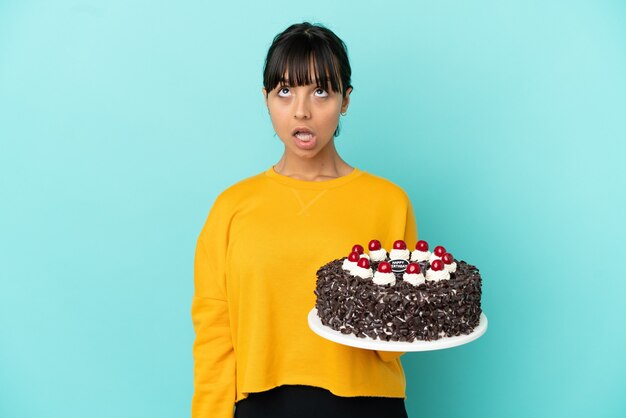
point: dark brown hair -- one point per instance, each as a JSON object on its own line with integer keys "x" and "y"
{"x": 300, "y": 45}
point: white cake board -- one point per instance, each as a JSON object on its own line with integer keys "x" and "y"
{"x": 370, "y": 344}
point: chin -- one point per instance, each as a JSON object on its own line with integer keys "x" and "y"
{"x": 310, "y": 154}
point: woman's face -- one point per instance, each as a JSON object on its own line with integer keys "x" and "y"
{"x": 305, "y": 117}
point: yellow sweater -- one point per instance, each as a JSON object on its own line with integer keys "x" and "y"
{"x": 255, "y": 266}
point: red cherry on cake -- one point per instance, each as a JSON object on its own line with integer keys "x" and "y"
{"x": 439, "y": 251}
{"x": 447, "y": 258}
{"x": 413, "y": 268}
{"x": 354, "y": 257}
{"x": 399, "y": 245}
{"x": 374, "y": 245}
{"x": 357, "y": 248}
{"x": 436, "y": 265}
{"x": 421, "y": 245}
{"x": 364, "y": 263}
{"x": 384, "y": 267}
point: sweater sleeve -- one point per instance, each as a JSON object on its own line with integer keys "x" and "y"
{"x": 410, "y": 236}
{"x": 214, "y": 358}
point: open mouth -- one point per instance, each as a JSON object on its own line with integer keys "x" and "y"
{"x": 304, "y": 138}
{"x": 303, "y": 134}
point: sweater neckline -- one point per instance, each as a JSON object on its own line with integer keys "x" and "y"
{"x": 318, "y": 185}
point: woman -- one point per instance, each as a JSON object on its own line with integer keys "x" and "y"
{"x": 264, "y": 240}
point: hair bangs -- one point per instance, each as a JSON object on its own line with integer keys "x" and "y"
{"x": 301, "y": 62}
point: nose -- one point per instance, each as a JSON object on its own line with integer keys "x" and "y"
{"x": 302, "y": 109}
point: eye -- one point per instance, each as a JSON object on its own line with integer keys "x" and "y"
{"x": 283, "y": 91}
{"x": 322, "y": 92}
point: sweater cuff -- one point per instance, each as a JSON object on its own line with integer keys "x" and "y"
{"x": 388, "y": 356}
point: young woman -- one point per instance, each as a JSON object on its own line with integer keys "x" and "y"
{"x": 263, "y": 241}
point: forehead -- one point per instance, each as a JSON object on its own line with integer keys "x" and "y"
{"x": 301, "y": 68}
{"x": 312, "y": 79}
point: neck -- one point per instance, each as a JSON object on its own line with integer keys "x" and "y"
{"x": 326, "y": 165}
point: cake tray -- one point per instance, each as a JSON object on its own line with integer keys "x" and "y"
{"x": 370, "y": 344}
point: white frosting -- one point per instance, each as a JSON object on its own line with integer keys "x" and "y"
{"x": 348, "y": 265}
{"x": 364, "y": 256}
{"x": 450, "y": 268}
{"x": 378, "y": 255}
{"x": 419, "y": 256}
{"x": 384, "y": 278}
{"x": 362, "y": 273}
{"x": 433, "y": 257}
{"x": 413, "y": 278}
{"x": 435, "y": 276}
{"x": 399, "y": 254}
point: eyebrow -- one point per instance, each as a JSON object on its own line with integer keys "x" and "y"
{"x": 285, "y": 80}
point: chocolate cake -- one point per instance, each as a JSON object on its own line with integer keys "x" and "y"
{"x": 408, "y": 305}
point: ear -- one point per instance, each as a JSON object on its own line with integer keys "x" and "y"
{"x": 346, "y": 100}
{"x": 264, "y": 95}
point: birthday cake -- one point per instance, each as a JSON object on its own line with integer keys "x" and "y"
{"x": 399, "y": 295}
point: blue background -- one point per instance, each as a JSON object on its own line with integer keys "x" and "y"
{"x": 121, "y": 121}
